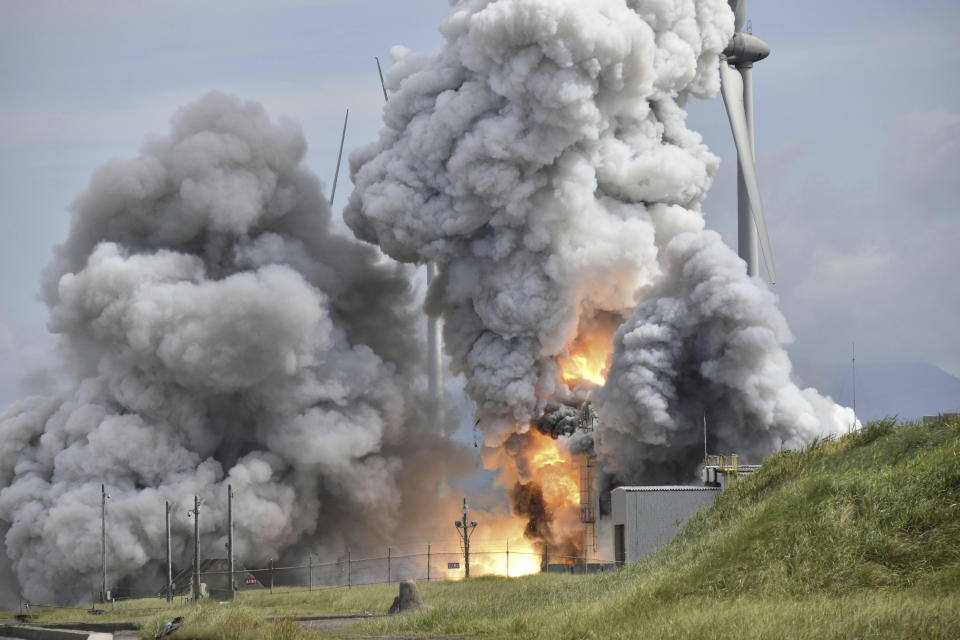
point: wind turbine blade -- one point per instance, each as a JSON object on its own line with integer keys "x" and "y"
{"x": 732, "y": 89}
{"x": 739, "y": 8}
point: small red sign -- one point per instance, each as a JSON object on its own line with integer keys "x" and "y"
{"x": 250, "y": 580}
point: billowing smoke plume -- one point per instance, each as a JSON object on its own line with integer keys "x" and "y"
{"x": 705, "y": 343}
{"x": 542, "y": 158}
{"x": 219, "y": 333}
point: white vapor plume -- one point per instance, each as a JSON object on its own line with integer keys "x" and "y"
{"x": 219, "y": 333}
{"x": 541, "y": 158}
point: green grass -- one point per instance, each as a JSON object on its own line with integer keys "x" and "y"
{"x": 853, "y": 537}
{"x": 857, "y": 537}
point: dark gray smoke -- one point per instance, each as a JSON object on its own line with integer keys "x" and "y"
{"x": 218, "y": 332}
{"x": 706, "y": 342}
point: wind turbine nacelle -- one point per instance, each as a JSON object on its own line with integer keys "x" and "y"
{"x": 744, "y": 49}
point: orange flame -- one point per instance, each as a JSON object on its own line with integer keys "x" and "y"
{"x": 588, "y": 358}
{"x": 548, "y": 463}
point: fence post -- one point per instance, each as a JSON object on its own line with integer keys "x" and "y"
{"x": 428, "y": 562}
{"x": 271, "y": 575}
{"x": 508, "y": 558}
{"x": 310, "y": 560}
{"x": 389, "y": 553}
{"x": 546, "y": 554}
{"x": 349, "y": 570}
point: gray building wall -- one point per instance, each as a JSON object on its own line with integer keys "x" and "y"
{"x": 646, "y": 518}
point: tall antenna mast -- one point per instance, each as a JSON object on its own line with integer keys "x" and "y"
{"x": 336, "y": 174}
{"x": 853, "y": 361}
{"x": 380, "y": 71}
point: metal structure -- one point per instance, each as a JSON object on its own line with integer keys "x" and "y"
{"x": 742, "y": 52}
{"x": 721, "y": 471}
{"x": 589, "y": 505}
{"x": 196, "y": 547}
{"x": 465, "y": 530}
{"x": 647, "y": 518}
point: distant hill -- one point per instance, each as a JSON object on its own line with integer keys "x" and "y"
{"x": 908, "y": 390}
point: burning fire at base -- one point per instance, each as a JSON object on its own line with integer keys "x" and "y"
{"x": 542, "y": 469}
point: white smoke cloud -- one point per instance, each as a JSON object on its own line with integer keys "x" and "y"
{"x": 219, "y": 334}
{"x": 542, "y": 158}
{"x": 528, "y": 158}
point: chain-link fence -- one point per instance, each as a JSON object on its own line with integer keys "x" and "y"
{"x": 418, "y": 561}
{"x": 446, "y": 560}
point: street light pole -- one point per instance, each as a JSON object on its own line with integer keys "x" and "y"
{"x": 465, "y": 529}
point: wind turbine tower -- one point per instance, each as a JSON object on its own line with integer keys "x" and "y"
{"x": 736, "y": 67}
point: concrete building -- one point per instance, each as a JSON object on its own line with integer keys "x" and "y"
{"x": 646, "y": 518}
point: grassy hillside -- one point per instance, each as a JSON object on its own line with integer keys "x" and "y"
{"x": 857, "y": 537}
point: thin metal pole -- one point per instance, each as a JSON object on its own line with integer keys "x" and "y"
{"x": 382, "y": 85}
{"x": 428, "y": 562}
{"x": 196, "y": 548}
{"x": 389, "y": 553}
{"x": 230, "y": 536}
{"x": 336, "y": 174}
{"x": 103, "y": 541}
{"x": 169, "y": 557}
{"x": 854, "y": 363}
{"x": 349, "y": 570}
{"x": 705, "y": 454}
{"x": 271, "y": 575}
{"x": 466, "y": 539}
{"x": 508, "y": 558}
{"x": 310, "y": 561}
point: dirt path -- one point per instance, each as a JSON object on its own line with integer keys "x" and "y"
{"x": 337, "y": 626}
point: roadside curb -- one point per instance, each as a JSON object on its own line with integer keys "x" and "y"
{"x": 30, "y": 632}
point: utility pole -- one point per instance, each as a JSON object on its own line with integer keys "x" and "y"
{"x": 230, "y": 537}
{"x": 465, "y": 529}
{"x": 169, "y": 557}
{"x": 196, "y": 548}
{"x": 103, "y": 540}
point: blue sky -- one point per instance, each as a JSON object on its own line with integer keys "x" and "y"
{"x": 857, "y": 124}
